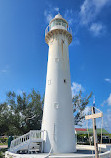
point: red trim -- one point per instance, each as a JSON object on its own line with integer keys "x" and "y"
{"x": 80, "y": 129}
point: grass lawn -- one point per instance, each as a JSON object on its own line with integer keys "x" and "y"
{"x": 3, "y": 143}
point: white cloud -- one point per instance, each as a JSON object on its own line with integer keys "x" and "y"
{"x": 56, "y": 9}
{"x": 75, "y": 42}
{"x": 109, "y": 100}
{"x": 104, "y": 102}
{"x": 108, "y": 80}
{"x": 86, "y": 13}
{"x": 107, "y": 120}
{"x": 68, "y": 15}
{"x": 97, "y": 29}
{"x": 5, "y": 69}
{"x": 76, "y": 88}
{"x": 50, "y": 12}
{"x": 19, "y": 92}
{"x": 72, "y": 18}
{"x": 90, "y": 9}
{"x": 48, "y": 15}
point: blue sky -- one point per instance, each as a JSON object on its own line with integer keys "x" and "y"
{"x": 24, "y": 53}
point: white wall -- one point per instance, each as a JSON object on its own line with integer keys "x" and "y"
{"x": 58, "y": 118}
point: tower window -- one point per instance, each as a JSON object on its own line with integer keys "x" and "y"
{"x": 49, "y": 82}
{"x": 56, "y": 59}
{"x": 64, "y": 80}
{"x": 56, "y": 105}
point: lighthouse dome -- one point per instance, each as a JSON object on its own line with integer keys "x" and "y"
{"x": 58, "y": 16}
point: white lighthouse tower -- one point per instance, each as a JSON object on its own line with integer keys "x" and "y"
{"x": 58, "y": 119}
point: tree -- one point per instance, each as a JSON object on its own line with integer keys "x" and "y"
{"x": 4, "y": 115}
{"x": 79, "y": 105}
{"x": 21, "y": 113}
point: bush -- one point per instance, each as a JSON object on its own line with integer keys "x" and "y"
{"x": 4, "y": 140}
{"x": 1, "y": 154}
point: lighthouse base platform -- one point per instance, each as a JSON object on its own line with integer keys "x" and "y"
{"x": 83, "y": 151}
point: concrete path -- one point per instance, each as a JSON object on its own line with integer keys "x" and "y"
{"x": 3, "y": 146}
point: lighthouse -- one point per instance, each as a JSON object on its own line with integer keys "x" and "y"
{"x": 58, "y": 119}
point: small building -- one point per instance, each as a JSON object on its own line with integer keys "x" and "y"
{"x": 82, "y": 135}
{"x": 90, "y": 130}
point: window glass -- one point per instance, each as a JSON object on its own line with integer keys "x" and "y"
{"x": 58, "y": 22}
{"x": 52, "y": 24}
{"x": 64, "y": 24}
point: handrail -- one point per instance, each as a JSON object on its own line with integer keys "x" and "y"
{"x": 32, "y": 135}
{"x": 20, "y": 140}
{"x": 69, "y": 30}
{"x": 48, "y": 29}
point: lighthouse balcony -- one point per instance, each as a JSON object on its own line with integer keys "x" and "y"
{"x": 58, "y": 26}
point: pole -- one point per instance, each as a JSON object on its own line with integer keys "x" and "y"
{"x": 95, "y": 134}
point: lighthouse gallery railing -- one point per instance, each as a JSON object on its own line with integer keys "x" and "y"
{"x": 48, "y": 29}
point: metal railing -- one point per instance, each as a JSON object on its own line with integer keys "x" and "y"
{"x": 48, "y": 29}
{"x": 69, "y": 30}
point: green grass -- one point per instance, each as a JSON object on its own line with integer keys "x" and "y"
{"x": 3, "y": 143}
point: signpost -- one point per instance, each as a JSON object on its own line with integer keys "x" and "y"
{"x": 93, "y": 117}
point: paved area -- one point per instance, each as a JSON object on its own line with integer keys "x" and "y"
{"x": 84, "y": 151}
{"x": 54, "y": 156}
{"x": 78, "y": 154}
{"x": 3, "y": 146}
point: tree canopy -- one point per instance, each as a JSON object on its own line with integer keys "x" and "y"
{"x": 21, "y": 113}
{"x": 79, "y": 104}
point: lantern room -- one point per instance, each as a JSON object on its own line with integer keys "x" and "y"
{"x": 58, "y": 23}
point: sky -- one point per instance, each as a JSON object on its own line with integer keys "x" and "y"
{"x": 24, "y": 53}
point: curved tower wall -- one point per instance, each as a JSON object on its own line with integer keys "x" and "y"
{"x": 58, "y": 119}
